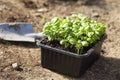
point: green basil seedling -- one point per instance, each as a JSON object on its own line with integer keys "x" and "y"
{"x": 76, "y": 30}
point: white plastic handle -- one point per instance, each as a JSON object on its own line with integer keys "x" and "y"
{"x": 35, "y": 35}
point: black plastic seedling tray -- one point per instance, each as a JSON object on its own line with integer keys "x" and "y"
{"x": 69, "y": 63}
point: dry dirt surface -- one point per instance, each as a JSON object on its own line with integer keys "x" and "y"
{"x": 37, "y": 12}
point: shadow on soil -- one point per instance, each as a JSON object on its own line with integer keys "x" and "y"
{"x": 104, "y": 69}
{"x": 59, "y": 2}
{"x": 97, "y": 3}
{"x": 21, "y": 44}
{"x": 53, "y": 1}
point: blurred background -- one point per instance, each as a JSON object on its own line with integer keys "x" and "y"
{"x": 38, "y": 12}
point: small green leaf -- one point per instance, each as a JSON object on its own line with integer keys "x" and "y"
{"x": 72, "y": 41}
{"x": 85, "y": 43}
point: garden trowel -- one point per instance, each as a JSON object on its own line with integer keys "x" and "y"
{"x": 19, "y": 31}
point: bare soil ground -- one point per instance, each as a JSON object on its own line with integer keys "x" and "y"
{"x": 28, "y": 55}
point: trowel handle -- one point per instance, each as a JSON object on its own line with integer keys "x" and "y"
{"x": 35, "y": 35}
